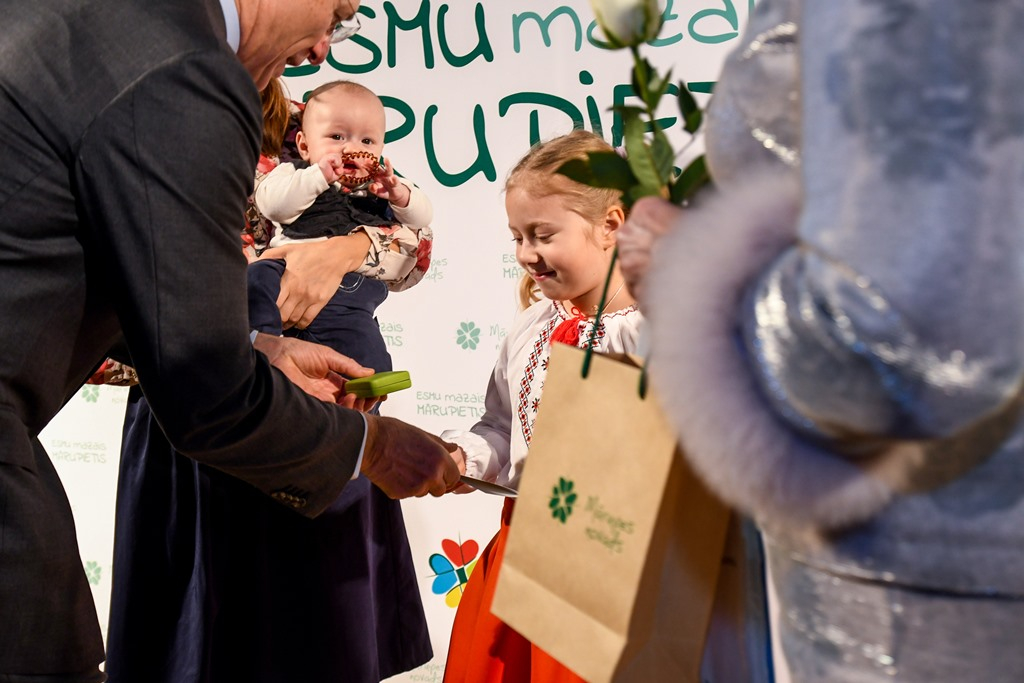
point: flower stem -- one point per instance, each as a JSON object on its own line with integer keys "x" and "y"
{"x": 642, "y": 84}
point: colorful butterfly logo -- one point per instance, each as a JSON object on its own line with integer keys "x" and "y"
{"x": 452, "y": 570}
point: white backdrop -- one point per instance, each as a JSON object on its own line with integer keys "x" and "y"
{"x": 469, "y": 86}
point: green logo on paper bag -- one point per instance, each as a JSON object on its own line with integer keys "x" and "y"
{"x": 90, "y": 393}
{"x": 562, "y": 500}
{"x": 468, "y": 335}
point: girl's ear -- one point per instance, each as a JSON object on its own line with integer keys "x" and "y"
{"x": 613, "y": 220}
{"x": 303, "y": 147}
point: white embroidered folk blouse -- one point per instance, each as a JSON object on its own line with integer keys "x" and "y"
{"x": 497, "y": 445}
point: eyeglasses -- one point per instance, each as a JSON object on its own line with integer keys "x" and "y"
{"x": 345, "y": 29}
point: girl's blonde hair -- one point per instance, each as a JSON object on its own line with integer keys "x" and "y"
{"x": 536, "y": 174}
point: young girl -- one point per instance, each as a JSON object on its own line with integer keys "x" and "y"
{"x": 565, "y": 236}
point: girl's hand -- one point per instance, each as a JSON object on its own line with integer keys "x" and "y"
{"x": 459, "y": 456}
{"x": 313, "y": 273}
{"x": 387, "y": 186}
{"x": 649, "y": 219}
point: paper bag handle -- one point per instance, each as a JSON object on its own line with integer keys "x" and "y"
{"x": 642, "y": 388}
{"x": 588, "y": 353}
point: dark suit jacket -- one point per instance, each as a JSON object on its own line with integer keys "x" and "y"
{"x": 128, "y": 137}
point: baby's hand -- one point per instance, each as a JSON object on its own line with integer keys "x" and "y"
{"x": 387, "y": 186}
{"x": 332, "y": 166}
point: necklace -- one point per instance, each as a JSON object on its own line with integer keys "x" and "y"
{"x": 579, "y": 314}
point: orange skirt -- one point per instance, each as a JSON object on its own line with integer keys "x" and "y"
{"x": 483, "y": 648}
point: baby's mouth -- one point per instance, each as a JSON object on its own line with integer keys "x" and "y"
{"x": 359, "y": 168}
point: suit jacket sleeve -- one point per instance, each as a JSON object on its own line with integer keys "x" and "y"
{"x": 163, "y": 175}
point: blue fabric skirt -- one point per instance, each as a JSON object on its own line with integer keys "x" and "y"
{"x": 215, "y": 582}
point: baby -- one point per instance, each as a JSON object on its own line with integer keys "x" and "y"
{"x": 342, "y": 185}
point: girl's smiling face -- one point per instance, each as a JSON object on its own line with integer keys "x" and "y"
{"x": 565, "y": 254}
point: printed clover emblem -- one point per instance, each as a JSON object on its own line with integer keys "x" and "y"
{"x": 562, "y": 500}
{"x": 90, "y": 393}
{"x": 468, "y": 336}
{"x": 93, "y": 572}
{"x": 452, "y": 570}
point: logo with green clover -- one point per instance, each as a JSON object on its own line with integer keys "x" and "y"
{"x": 468, "y": 336}
{"x": 93, "y": 572}
{"x": 90, "y": 393}
{"x": 562, "y": 500}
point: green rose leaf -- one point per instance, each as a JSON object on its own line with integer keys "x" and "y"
{"x": 664, "y": 157}
{"x": 693, "y": 177}
{"x": 600, "y": 169}
{"x": 660, "y": 85}
{"x": 641, "y": 159}
{"x": 692, "y": 115}
{"x": 646, "y": 83}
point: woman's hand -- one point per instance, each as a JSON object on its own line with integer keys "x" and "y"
{"x": 313, "y": 273}
{"x": 649, "y": 219}
{"x": 363, "y": 405}
{"x": 315, "y": 369}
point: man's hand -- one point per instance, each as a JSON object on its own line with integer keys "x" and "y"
{"x": 649, "y": 219}
{"x": 313, "y": 368}
{"x": 404, "y": 461}
{"x": 313, "y": 272}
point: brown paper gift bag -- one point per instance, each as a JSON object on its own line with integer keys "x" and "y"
{"x": 604, "y": 494}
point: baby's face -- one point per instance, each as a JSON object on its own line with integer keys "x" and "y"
{"x": 346, "y": 123}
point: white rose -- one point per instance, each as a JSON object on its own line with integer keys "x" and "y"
{"x": 628, "y": 22}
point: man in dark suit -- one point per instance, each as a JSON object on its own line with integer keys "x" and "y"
{"x": 128, "y": 134}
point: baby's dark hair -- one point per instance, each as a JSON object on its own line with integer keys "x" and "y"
{"x": 536, "y": 174}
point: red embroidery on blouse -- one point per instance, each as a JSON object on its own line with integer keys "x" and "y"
{"x": 525, "y": 411}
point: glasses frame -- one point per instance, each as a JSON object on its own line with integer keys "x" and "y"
{"x": 345, "y": 29}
